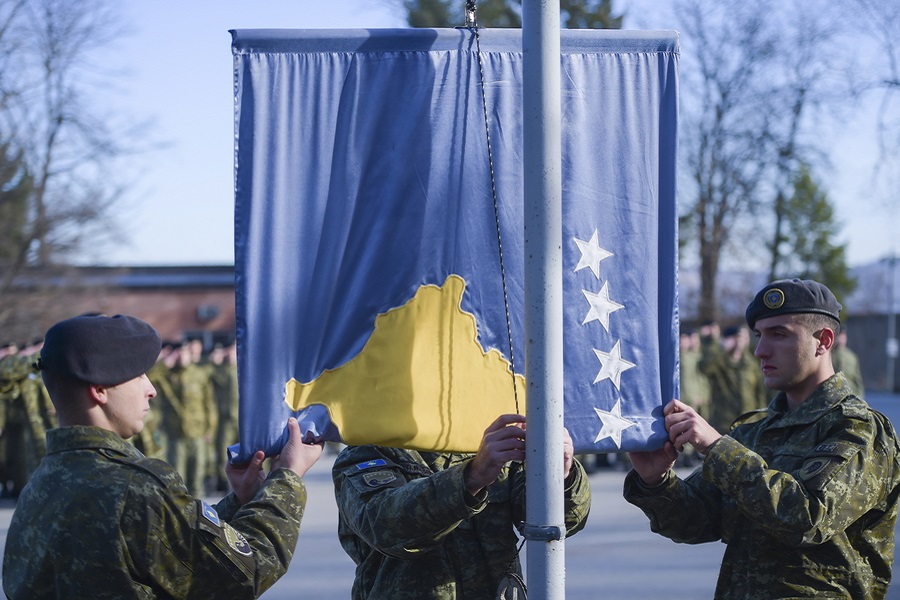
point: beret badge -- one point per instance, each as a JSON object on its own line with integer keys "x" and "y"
{"x": 774, "y": 298}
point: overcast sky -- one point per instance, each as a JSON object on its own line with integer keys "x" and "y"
{"x": 177, "y": 68}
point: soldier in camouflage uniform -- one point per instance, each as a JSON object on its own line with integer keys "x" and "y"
{"x": 804, "y": 494}
{"x": 225, "y": 386}
{"x": 26, "y": 417}
{"x": 424, "y": 525}
{"x": 197, "y": 422}
{"x": 846, "y": 361}
{"x": 735, "y": 382}
{"x": 693, "y": 384}
{"x": 100, "y": 520}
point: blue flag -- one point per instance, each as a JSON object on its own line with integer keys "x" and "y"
{"x": 367, "y": 241}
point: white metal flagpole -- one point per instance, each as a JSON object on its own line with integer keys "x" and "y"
{"x": 545, "y": 528}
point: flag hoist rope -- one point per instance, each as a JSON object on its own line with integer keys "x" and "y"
{"x": 472, "y": 25}
{"x": 511, "y": 584}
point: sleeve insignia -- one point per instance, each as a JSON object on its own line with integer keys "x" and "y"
{"x": 825, "y": 448}
{"x": 236, "y": 541}
{"x": 375, "y": 462}
{"x": 210, "y": 514}
{"x": 812, "y": 468}
{"x": 379, "y": 478}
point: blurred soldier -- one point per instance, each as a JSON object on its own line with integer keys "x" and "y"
{"x": 225, "y": 386}
{"x": 100, "y": 520}
{"x": 196, "y": 427}
{"x": 151, "y": 441}
{"x": 25, "y": 426}
{"x": 430, "y": 525}
{"x": 735, "y": 382}
{"x": 694, "y": 384}
{"x": 803, "y": 494}
{"x": 846, "y": 361}
{"x": 168, "y": 405}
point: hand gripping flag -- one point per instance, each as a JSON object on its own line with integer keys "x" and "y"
{"x": 367, "y": 244}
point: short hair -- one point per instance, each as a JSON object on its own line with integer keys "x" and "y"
{"x": 815, "y": 321}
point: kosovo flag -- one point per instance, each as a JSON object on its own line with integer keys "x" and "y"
{"x": 372, "y": 300}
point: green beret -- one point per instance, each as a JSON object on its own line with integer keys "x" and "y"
{"x": 100, "y": 350}
{"x": 793, "y": 296}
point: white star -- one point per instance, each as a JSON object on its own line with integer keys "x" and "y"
{"x": 591, "y": 254}
{"x": 612, "y": 365}
{"x": 601, "y": 306}
{"x": 612, "y": 424}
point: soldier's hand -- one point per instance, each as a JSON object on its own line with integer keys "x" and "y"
{"x": 503, "y": 442}
{"x": 653, "y": 465}
{"x": 685, "y": 426}
{"x": 297, "y": 456}
{"x": 246, "y": 479}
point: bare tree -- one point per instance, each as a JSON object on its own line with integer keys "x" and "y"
{"x": 55, "y": 136}
{"x": 879, "y": 21}
{"x": 807, "y": 82}
{"x": 575, "y": 14}
{"x": 725, "y": 146}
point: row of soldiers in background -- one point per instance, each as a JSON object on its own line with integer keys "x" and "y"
{"x": 191, "y": 422}
{"x": 26, "y": 413}
{"x": 722, "y": 380}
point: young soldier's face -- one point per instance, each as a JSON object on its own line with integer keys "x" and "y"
{"x": 128, "y": 405}
{"x": 786, "y": 352}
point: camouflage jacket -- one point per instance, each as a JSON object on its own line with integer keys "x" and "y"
{"x": 414, "y": 531}
{"x": 846, "y": 361}
{"x": 805, "y": 500}
{"x": 100, "y": 520}
{"x": 199, "y": 415}
{"x": 735, "y": 387}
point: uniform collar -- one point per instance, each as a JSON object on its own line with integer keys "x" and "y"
{"x": 830, "y": 393}
{"x": 82, "y": 437}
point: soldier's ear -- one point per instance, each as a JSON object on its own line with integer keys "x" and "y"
{"x": 98, "y": 394}
{"x": 826, "y": 340}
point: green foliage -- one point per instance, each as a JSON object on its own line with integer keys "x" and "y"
{"x": 575, "y": 14}
{"x": 809, "y": 246}
{"x": 590, "y": 14}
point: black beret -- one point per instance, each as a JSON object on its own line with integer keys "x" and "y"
{"x": 100, "y": 350}
{"x": 792, "y": 296}
{"x": 731, "y": 331}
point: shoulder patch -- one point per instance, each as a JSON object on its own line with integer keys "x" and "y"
{"x": 811, "y": 468}
{"x": 824, "y": 461}
{"x": 210, "y": 514}
{"x": 369, "y": 464}
{"x": 231, "y": 546}
{"x": 236, "y": 541}
{"x": 379, "y": 479}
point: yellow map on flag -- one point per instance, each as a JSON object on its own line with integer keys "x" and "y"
{"x": 422, "y": 381}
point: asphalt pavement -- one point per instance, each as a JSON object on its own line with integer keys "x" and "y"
{"x": 616, "y": 556}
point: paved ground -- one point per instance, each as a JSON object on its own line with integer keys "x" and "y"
{"x": 615, "y": 556}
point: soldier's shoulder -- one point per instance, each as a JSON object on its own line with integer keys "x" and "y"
{"x": 854, "y": 407}
{"x": 151, "y": 469}
{"x": 353, "y": 456}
